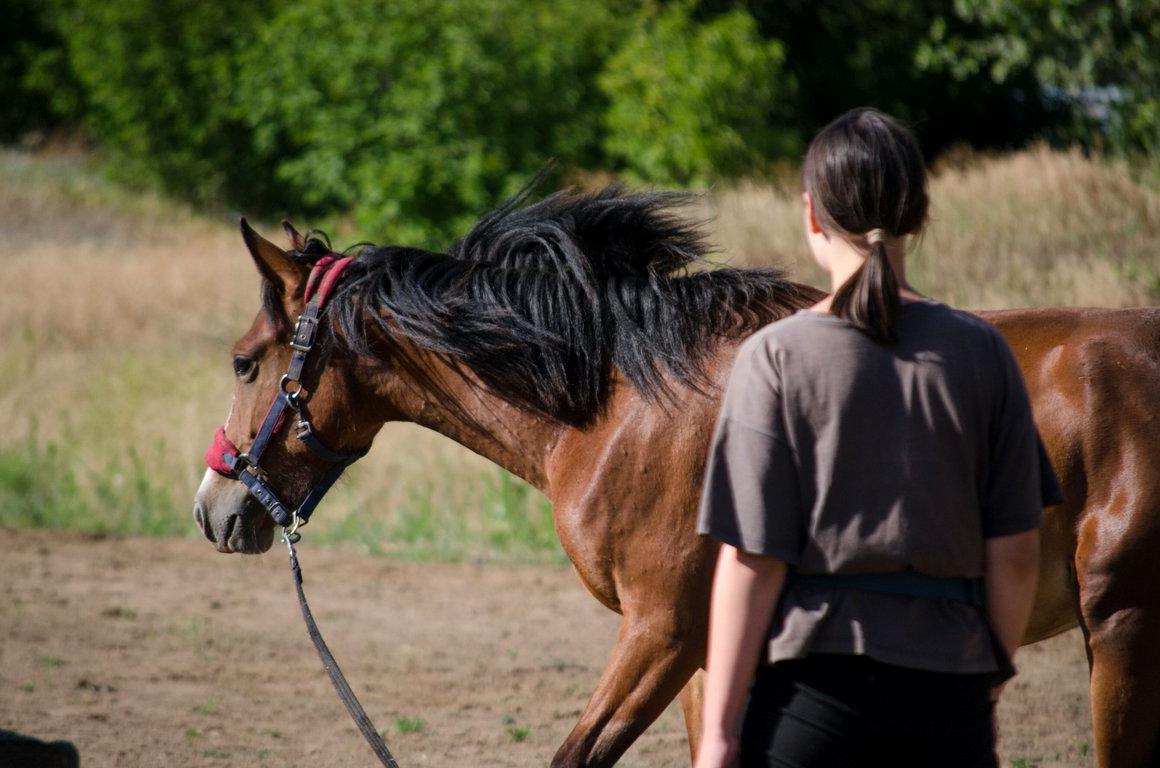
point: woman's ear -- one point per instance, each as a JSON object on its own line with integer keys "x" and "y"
{"x": 811, "y": 215}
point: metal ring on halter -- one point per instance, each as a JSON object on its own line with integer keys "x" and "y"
{"x": 284, "y": 385}
{"x": 290, "y": 534}
{"x": 242, "y": 461}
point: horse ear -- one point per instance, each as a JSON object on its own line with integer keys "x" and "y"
{"x": 297, "y": 241}
{"x": 276, "y": 266}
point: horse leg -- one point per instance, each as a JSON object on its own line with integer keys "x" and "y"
{"x": 1120, "y": 601}
{"x": 692, "y": 696}
{"x": 650, "y": 663}
{"x": 1124, "y": 695}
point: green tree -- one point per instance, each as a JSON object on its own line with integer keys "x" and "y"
{"x": 694, "y": 101}
{"x": 157, "y": 79}
{"x": 847, "y": 55}
{"x": 1098, "y": 59}
{"x": 30, "y": 52}
{"x": 419, "y": 116}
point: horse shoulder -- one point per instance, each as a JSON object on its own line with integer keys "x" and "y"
{"x": 625, "y": 493}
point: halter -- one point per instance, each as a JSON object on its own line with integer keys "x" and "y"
{"x": 224, "y": 457}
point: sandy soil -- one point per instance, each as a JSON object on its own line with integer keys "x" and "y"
{"x": 164, "y": 653}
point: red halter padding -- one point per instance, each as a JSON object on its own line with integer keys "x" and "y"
{"x": 328, "y": 269}
{"x": 218, "y": 450}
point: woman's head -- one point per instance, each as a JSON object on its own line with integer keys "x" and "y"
{"x": 866, "y": 182}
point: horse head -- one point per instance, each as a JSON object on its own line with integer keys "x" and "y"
{"x": 320, "y": 398}
{"x": 528, "y": 326}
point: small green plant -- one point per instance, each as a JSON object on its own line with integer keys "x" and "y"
{"x": 209, "y": 707}
{"x": 52, "y": 662}
{"x": 410, "y": 724}
{"x": 28, "y": 687}
{"x": 518, "y": 733}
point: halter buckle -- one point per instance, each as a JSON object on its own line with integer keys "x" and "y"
{"x": 304, "y": 330}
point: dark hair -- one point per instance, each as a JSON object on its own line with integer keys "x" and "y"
{"x": 866, "y": 177}
{"x": 551, "y": 302}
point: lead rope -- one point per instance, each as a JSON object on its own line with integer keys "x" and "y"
{"x": 349, "y": 700}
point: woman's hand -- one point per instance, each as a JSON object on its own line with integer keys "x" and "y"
{"x": 717, "y": 750}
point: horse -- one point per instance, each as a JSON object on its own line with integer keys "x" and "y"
{"x": 580, "y": 343}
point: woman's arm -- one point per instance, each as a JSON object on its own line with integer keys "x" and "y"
{"x": 746, "y": 588}
{"x": 1010, "y": 569}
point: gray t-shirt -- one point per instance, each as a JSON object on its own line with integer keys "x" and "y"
{"x": 840, "y": 455}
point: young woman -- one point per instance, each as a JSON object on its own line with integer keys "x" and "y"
{"x": 877, "y": 486}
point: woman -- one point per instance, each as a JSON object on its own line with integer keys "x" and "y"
{"x": 876, "y": 483}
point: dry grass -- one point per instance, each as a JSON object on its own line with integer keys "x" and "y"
{"x": 119, "y": 310}
{"x": 1037, "y": 228}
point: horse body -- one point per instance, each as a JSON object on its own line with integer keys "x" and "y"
{"x": 624, "y": 483}
{"x": 1094, "y": 380}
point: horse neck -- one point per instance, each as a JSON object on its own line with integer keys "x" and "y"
{"x": 464, "y": 409}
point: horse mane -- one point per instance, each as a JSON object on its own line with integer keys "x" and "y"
{"x": 545, "y": 302}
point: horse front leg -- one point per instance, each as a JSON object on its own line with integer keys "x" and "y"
{"x": 1120, "y": 605}
{"x": 1125, "y": 699}
{"x": 651, "y": 661}
{"x": 692, "y": 697}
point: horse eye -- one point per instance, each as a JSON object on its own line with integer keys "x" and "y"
{"x": 245, "y": 368}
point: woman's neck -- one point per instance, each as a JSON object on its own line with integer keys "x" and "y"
{"x": 843, "y": 259}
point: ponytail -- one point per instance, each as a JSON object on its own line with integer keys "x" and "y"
{"x": 869, "y": 298}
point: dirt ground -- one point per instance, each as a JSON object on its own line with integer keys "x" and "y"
{"x": 165, "y": 653}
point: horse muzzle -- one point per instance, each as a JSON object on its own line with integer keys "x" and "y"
{"x": 229, "y": 518}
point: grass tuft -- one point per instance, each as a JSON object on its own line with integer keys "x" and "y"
{"x": 410, "y": 724}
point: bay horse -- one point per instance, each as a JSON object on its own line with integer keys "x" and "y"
{"x": 578, "y": 343}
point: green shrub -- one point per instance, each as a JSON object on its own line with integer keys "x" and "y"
{"x": 419, "y": 116}
{"x": 157, "y": 79}
{"x": 1097, "y": 60}
{"x": 28, "y": 43}
{"x": 692, "y": 101}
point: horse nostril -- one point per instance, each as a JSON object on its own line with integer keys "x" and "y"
{"x": 199, "y": 517}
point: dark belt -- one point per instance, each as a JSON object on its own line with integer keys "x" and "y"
{"x": 910, "y": 583}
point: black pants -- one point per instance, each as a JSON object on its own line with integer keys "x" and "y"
{"x": 851, "y": 712}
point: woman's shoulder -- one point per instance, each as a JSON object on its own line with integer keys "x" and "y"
{"x": 957, "y": 325}
{"x": 920, "y": 321}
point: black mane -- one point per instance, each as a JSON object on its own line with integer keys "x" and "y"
{"x": 546, "y": 302}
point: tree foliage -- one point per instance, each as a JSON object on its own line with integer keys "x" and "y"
{"x": 29, "y": 45}
{"x": 157, "y": 80}
{"x": 1097, "y": 60}
{"x": 414, "y": 117}
{"x": 691, "y": 102}
{"x": 418, "y": 116}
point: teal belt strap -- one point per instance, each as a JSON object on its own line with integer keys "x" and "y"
{"x": 899, "y": 583}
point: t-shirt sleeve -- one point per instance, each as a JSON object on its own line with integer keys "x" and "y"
{"x": 1020, "y": 479}
{"x": 751, "y": 498}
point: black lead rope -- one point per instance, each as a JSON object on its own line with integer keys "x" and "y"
{"x": 349, "y": 700}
